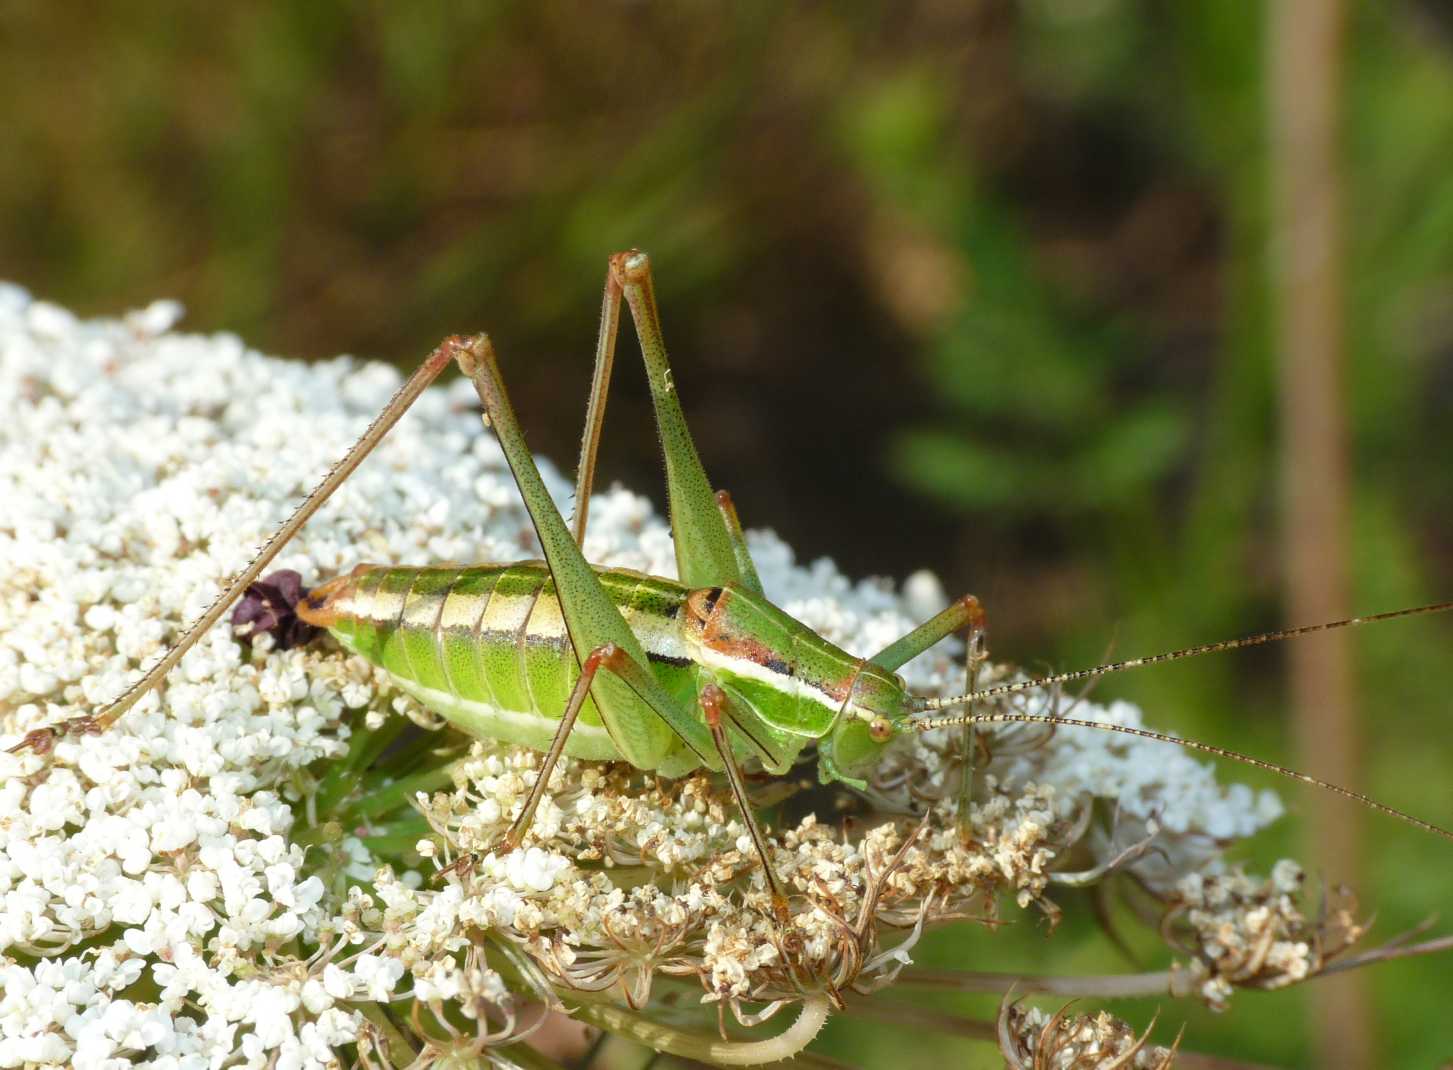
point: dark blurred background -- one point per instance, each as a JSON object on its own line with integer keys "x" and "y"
{"x": 994, "y": 288}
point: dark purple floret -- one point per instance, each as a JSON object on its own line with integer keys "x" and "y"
{"x": 269, "y": 606}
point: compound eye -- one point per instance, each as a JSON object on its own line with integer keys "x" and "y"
{"x": 880, "y": 730}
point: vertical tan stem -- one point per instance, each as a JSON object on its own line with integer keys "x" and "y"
{"x": 1305, "y": 68}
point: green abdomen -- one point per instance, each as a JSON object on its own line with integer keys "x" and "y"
{"x": 486, "y": 647}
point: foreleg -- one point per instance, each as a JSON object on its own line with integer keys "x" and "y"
{"x": 966, "y": 613}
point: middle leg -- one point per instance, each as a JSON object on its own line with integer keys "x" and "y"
{"x": 713, "y": 705}
{"x": 608, "y": 656}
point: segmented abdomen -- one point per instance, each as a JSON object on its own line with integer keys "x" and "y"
{"x": 487, "y": 648}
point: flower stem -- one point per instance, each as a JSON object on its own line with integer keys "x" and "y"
{"x": 663, "y": 1038}
{"x": 398, "y": 793}
{"x": 399, "y": 1050}
{"x": 366, "y": 745}
{"x": 1103, "y": 986}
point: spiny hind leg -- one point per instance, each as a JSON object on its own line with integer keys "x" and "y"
{"x": 965, "y": 614}
{"x": 605, "y": 353}
{"x": 43, "y": 740}
{"x": 710, "y": 548}
{"x": 707, "y": 555}
{"x": 592, "y": 619}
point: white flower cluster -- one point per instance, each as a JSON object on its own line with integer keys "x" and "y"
{"x": 157, "y": 907}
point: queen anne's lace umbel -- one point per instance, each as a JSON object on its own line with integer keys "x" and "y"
{"x": 192, "y": 888}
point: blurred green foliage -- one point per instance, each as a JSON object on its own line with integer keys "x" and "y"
{"x": 978, "y": 287}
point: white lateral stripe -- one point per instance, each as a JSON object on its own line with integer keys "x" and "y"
{"x": 787, "y": 685}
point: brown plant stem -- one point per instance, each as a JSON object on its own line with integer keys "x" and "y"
{"x": 894, "y": 1012}
{"x": 1096, "y": 986}
{"x": 1304, "y": 78}
{"x": 1390, "y": 951}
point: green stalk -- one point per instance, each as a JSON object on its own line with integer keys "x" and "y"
{"x": 363, "y": 749}
{"x": 659, "y": 1037}
{"x": 397, "y": 794}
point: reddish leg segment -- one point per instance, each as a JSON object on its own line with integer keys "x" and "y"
{"x": 609, "y": 656}
{"x": 713, "y": 705}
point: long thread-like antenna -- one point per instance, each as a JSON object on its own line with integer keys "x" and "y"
{"x": 1174, "y": 655}
{"x": 926, "y": 723}
{"x": 405, "y": 396}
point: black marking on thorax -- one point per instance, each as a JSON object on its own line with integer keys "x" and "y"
{"x": 780, "y": 667}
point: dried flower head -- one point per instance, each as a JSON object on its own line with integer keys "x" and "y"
{"x": 1030, "y": 1039}
{"x": 1251, "y": 932}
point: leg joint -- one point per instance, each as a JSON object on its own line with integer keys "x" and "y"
{"x": 974, "y": 615}
{"x": 608, "y": 654}
{"x": 713, "y": 699}
{"x": 631, "y": 266}
{"x": 467, "y": 351}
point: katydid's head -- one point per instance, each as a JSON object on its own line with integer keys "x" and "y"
{"x": 877, "y": 708}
